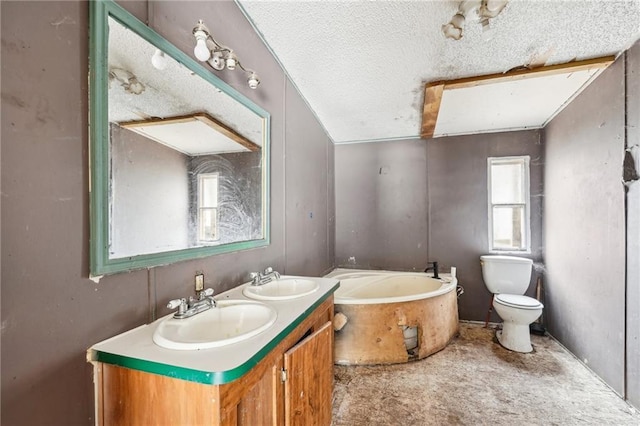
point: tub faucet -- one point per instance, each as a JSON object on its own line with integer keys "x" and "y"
{"x": 194, "y": 305}
{"x": 260, "y": 278}
{"x": 434, "y": 267}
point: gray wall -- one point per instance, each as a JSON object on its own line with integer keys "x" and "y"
{"x": 402, "y": 203}
{"x": 157, "y": 183}
{"x": 51, "y": 311}
{"x": 458, "y": 208}
{"x": 381, "y": 205}
{"x": 584, "y": 226}
{"x": 309, "y": 234}
{"x": 633, "y": 225}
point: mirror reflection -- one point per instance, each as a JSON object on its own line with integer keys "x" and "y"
{"x": 186, "y": 159}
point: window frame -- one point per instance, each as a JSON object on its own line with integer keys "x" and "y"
{"x": 525, "y": 159}
{"x": 200, "y": 208}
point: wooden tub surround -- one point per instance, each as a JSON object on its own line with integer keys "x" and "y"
{"x": 287, "y": 381}
{"x": 375, "y": 333}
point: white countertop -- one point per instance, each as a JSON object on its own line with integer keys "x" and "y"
{"x": 135, "y": 348}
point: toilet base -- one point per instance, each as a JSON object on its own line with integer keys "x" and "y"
{"x": 515, "y": 337}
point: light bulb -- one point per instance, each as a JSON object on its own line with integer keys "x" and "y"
{"x": 201, "y": 51}
{"x": 458, "y": 20}
{"x": 454, "y": 28}
{"x": 217, "y": 61}
{"x": 253, "y": 80}
{"x": 158, "y": 60}
{"x": 231, "y": 61}
{"x": 450, "y": 31}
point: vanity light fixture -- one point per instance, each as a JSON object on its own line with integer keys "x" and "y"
{"x": 219, "y": 56}
{"x": 474, "y": 10}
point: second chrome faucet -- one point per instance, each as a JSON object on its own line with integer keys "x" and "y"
{"x": 260, "y": 278}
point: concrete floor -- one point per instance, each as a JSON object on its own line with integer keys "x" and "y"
{"x": 475, "y": 381}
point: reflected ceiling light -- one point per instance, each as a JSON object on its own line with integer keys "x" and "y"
{"x": 218, "y": 56}
{"x": 474, "y": 10}
{"x": 158, "y": 60}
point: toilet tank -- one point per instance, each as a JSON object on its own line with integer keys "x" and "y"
{"x": 506, "y": 274}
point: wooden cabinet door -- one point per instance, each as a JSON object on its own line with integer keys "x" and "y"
{"x": 260, "y": 405}
{"x": 309, "y": 383}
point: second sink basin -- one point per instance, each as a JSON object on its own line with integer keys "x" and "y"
{"x": 230, "y": 322}
{"x": 281, "y": 289}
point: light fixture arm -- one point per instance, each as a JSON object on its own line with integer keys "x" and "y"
{"x": 467, "y": 6}
{"x": 491, "y": 8}
{"x": 217, "y": 55}
{"x": 200, "y": 26}
{"x": 484, "y": 10}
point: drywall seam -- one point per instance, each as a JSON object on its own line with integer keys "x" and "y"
{"x": 284, "y": 162}
{"x": 630, "y": 178}
{"x": 428, "y": 200}
{"x": 625, "y": 349}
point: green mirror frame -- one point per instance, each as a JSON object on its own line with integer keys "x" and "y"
{"x": 100, "y": 262}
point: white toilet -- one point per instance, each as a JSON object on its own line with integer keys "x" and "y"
{"x": 507, "y": 277}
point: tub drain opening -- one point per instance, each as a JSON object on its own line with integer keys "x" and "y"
{"x": 410, "y": 341}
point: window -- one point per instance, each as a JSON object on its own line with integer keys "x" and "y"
{"x": 207, "y": 207}
{"x": 508, "y": 179}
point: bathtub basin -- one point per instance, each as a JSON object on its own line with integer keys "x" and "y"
{"x": 388, "y": 317}
{"x": 369, "y": 287}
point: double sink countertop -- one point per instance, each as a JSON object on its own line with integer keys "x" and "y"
{"x": 135, "y": 348}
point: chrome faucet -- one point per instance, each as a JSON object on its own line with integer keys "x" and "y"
{"x": 194, "y": 305}
{"x": 260, "y": 278}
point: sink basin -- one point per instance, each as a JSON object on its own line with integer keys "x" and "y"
{"x": 230, "y": 322}
{"x": 282, "y": 289}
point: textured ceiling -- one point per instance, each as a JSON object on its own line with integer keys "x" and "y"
{"x": 362, "y": 65}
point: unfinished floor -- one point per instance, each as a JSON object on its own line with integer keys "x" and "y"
{"x": 476, "y": 381}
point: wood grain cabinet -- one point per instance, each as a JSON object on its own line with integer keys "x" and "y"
{"x": 291, "y": 385}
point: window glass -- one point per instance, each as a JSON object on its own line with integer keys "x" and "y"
{"x": 507, "y": 183}
{"x": 508, "y": 179}
{"x": 207, "y": 225}
{"x": 508, "y": 228}
{"x": 207, "y": 207}
{"x": 208, "y": 190}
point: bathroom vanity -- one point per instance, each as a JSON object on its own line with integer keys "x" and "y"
{"x": 202, "y": 369}
{"x": 284, "y": 375}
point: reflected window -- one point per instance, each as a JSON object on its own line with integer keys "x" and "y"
{"x": 207, "y": 207}
{"x": 509, "y": 206}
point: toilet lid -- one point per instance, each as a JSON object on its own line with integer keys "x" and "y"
{"x": 518, "y": 301}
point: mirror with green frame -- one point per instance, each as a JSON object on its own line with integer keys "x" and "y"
{"x": 179, "y": 159}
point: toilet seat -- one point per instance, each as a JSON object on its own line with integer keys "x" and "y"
{"x": 517, "y": 301}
